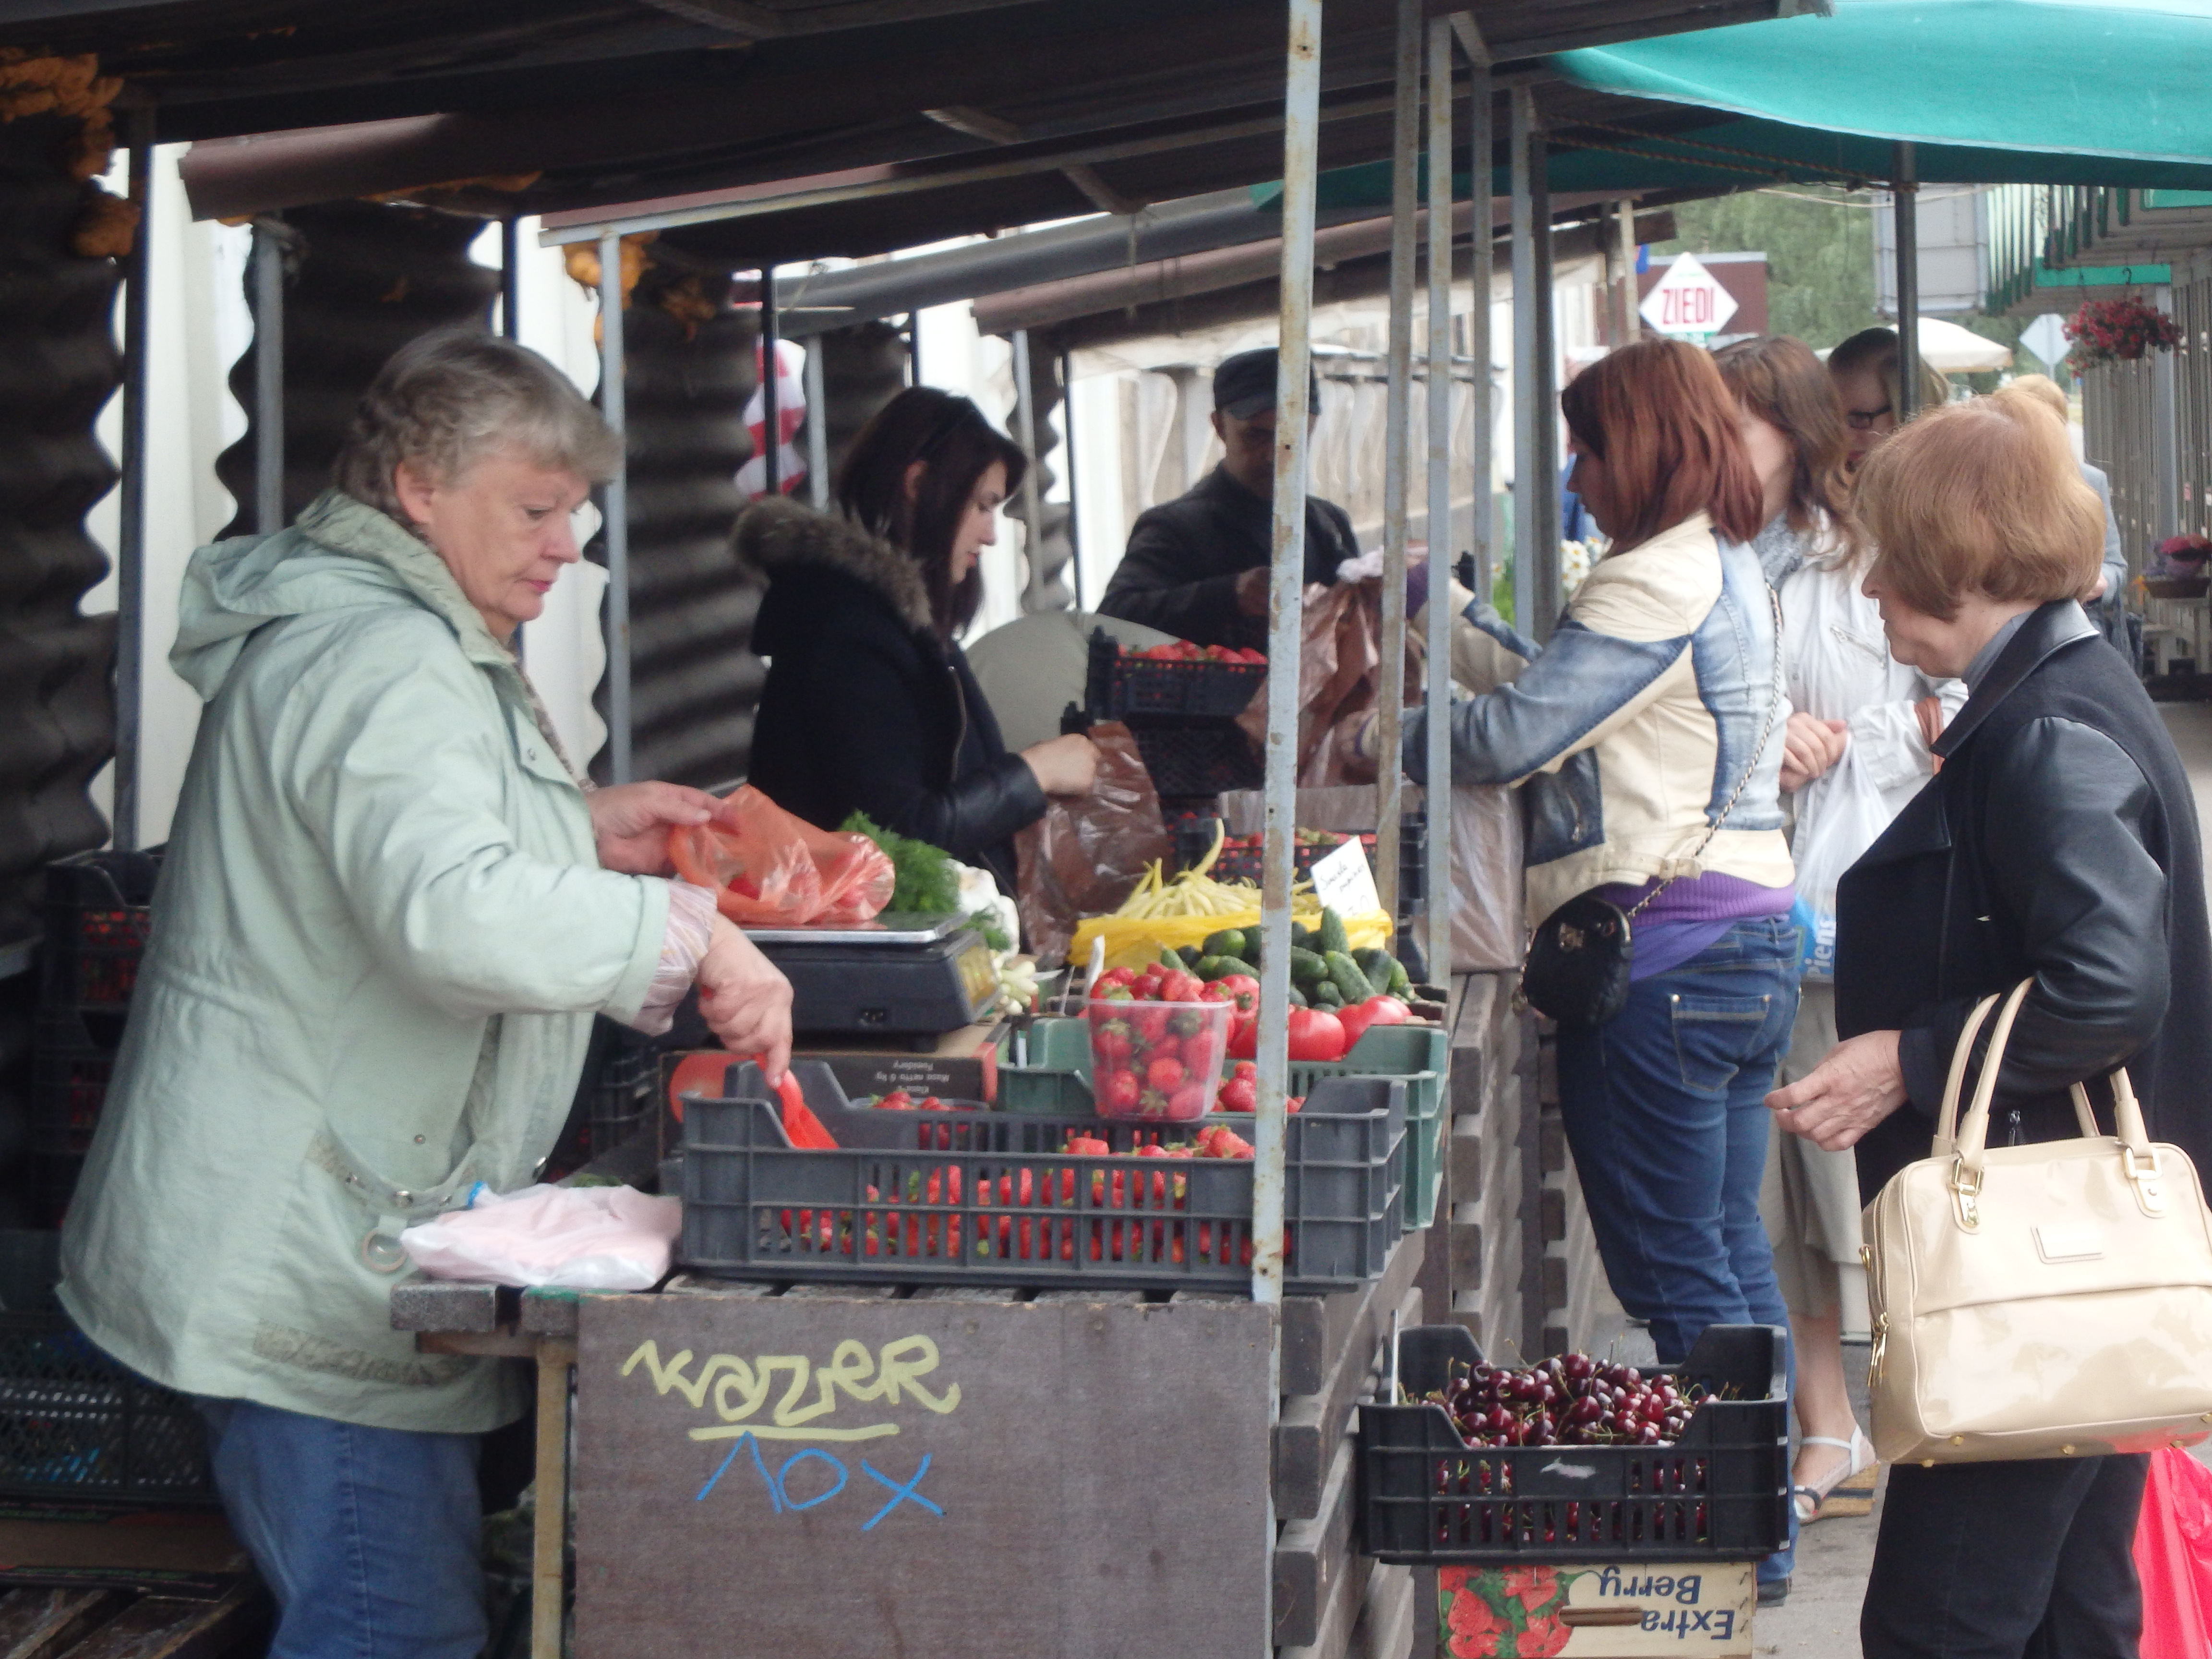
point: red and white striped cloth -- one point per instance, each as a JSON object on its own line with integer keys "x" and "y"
{"x": 790, "y": 416}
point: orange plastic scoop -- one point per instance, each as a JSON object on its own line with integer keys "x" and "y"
{"x": 799, "y": 1122}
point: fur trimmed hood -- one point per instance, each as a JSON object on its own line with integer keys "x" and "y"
{"x": 777, "y": 535}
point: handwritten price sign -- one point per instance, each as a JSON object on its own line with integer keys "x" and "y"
{"x": 774, "y": 1476}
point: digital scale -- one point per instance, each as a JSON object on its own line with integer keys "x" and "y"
{"x": 899, "y": 975}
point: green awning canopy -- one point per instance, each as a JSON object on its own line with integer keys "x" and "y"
{"x": 2081, "y": 92}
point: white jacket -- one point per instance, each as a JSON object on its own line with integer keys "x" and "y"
{"x": 1837, "y": 665}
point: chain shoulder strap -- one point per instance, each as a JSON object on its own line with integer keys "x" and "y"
{"x": 1758, "y": 753}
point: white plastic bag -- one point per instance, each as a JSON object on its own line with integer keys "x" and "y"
{"x": 1840, "y": 815}
{"x": 575, "y": 1238}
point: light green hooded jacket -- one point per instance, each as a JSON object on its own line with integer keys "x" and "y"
{"x": 380, "y": 937}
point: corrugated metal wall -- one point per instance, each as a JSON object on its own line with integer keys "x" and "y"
{"x": 694, "y": 681}
{"x": 58, "y": 366}
{"x": 863, "y": 368}
{"x": 364, "y": 279}
{"x": 1048, "y": 587}
{"x": 2117, "y": 434}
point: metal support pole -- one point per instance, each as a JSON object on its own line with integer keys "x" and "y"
{"x": 1437, "y": 433}
{"x": 617, "y": 509}
{"x": 2165, "y": 435}
{"x": 818, "y": 429}
{"x": 1905, "y": 213}
{"x": 771, "y": 424}
{"x": 1624, "y": 299}
{"x": 1032, "y": 489}
{"x": 1074, "y": 518}
{"x": 1527, "y": 486}
{"x": 1294, "y": 361}
{"x": 510, "y": 279}
{"x": 914, "y": 348}
{"x": 268, "y": 379}
{"x": 130, "y": 538}
{"x": 1397, "y": 435}
{"x": 1438, "y": 729}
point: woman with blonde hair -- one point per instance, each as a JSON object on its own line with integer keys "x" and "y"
{"x": 2058, "y": 842}
{"x": 1868, "y": 381}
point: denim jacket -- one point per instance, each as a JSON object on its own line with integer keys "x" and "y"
{"x": 1629, "y": 732}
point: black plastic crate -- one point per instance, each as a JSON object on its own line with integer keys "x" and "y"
{"x": 989, "y": 1198}
{"x": 1199, "y": 760}
{"x": 69, "y": 1075}
{"x": 1720, "y": 1493}
{"x": 74, "y": 1424}
{"x": 99, "y": 911}
{"x": 1119, "y": 685}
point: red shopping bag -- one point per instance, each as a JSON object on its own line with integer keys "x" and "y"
{"x": 768, "y": 867}
{"x": 2173, "y": 1558}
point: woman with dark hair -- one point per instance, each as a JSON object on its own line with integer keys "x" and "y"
{"x": 1646, "y": 739}
{"x": 869, "y": 706}
{"x": 1859, "y": 728}
{"x": 2058, "y": 844}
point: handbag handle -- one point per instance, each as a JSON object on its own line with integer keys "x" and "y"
{"x": 1971, "y": 1156}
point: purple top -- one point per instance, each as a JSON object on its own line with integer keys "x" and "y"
{"x": 1690, "y": 915}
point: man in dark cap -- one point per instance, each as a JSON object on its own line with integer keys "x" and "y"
{"x": 1197, "y": 565}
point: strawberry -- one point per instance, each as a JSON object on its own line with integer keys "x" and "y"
{"x": 1165, "y": 1073}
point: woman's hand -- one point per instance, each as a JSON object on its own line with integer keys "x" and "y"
{"x": 1064, "y": 766}
{"x": 744, "y": 999}
{"x": 1809, "y": 747}
{"x": 1858, "y": 1085}
{"x": 631, "y": 821}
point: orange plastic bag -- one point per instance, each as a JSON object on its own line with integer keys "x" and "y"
{"x": 768, "y": 868}
{"x": 2173, "y": 1558}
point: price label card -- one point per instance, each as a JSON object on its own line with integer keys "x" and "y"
{"x": 1345, "y": 881}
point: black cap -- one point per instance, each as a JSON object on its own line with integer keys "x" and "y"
{"x": 1244, "y": 385}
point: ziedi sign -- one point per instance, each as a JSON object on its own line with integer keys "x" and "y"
{"x": 1686, "y": 301}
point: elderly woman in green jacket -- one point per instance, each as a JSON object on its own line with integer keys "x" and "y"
{"x": 389, "y": 912}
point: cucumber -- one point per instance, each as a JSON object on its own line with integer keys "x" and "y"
{"x": 1297, "y": 997}
{"x": 1229, "y": 942}
{"x": 1169, "y": 960}
{"x": 1344, "y": 973}
{"x": 1326, "y": 995}
{"x": 1210, "y": 968}
{"x": 1333, "y": 936}
{"x": 1307, "y": 968}
{"x": 1302, "y": 936}
{"x": 1401, "y": 982}
{"x": 1374, "y": 963}
{"x": 1190, "y": 954}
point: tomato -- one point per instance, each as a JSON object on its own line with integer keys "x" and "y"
{"x": 1243, "y": 988}
{"x": 1315, "y": 1035}
{"x": 1244, "y": 1036}
{"x": 1376, "y": 1010}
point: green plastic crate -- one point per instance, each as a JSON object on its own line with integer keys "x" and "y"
{"x": 1057, "y": 1082}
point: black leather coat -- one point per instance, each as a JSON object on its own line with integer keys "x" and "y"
{"x": 1180, "y": 572}
{"x": 865, "y": 708}
{"x": 2059, "y": 840}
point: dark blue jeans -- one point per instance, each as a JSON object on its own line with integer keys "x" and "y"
{"x": 368, "y": 1538}
{"x": 1664, "y": 1111}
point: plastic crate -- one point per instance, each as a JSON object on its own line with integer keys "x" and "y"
{"x": 1057, "y": 1080}
{"x": 69, "y": 1074}
{"x": 1119, "y": 685}
{"x": 988, "y": 1198}
{"x": 1199, "y": 760}
{"x": 1720, "y": 1493}
{"x": 623, "y": 1100}
{"x": 99, "y": 911}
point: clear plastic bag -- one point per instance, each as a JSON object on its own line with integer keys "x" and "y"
{"x": 1085, "y": 856}
{"x": 767, "y": 867}
{"x": 577, "y": 1238}
{"x": 1847, "y": 816}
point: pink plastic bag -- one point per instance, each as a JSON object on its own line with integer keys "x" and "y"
{"x": 2173, "y": 1558}
{"x": 767, "y": 867}
{"x": 580, "y": 1239}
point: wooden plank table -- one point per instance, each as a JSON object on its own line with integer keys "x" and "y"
{"x": 1136, "y": 1457}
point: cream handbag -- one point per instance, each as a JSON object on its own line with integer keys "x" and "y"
{"x": 2051, "y": 1300}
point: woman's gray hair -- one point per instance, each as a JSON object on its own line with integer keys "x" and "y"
{"x": 448, "y": 399}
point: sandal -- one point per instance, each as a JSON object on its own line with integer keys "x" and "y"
{"x": 1847, "y": 1490}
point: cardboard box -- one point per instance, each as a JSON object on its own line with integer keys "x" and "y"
{"x": 1622, "y": 1612}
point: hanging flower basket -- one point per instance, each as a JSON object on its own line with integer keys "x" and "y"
{"x": 2120, "y": 330}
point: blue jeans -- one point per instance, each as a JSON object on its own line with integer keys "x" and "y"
{"x": 368, "y": 1538}
{"x": 1664, "y": 1111}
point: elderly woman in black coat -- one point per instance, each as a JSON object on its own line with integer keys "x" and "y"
{"x": 2058, "y": 841}
{"x": 870, "y": 705}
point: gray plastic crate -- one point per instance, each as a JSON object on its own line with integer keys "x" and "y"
{"x": 992, "y": 1198}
